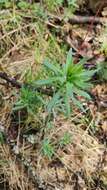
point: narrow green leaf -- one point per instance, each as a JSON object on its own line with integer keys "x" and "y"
{"x": 44, "y": 82}
{"x": 41, "y": 99}
{"x": 19, "y": 107}
{"x": 81, "y": 93}
{"x": 49, "y": 81}
{"x": 75, "y": 101}
{"x": 78, "y": 103}
{"x": 87, "y": 74}
{"x": 69, "y": 62}
{"x": 47, "y": 148}
{"x": 19, "y": 103}
{"x": 67, "y": 101}
{"x": 75, "y": 70}
{"x": 2, "y": 140}
{"x": 69, "y": 59}
{"x": 83, "y": 61}
{"x": 69, "y": 88}
{"x": 52, "y": 67}
{"x": 83, "y": 85}
{"x": 53, "y": 101}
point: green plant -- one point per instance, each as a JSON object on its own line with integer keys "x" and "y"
{"x": 72, "y": 3}
{"x": 23, "y": 5}
{"x": 70, "y": 9}
{"x": 47, "y": 148}
{"x": 39, "y": 11}
{"x": 5, "y": 3}
{"x": 103, "y": 40}
{"x": 2, "y": 138}
{"x": 66, "y": 139}
{"x": 52, "y": 4}
{"x": 28, "y": 99}
{"x": 102, "y": 70}
{"x": 104, "y": 46}
{"x": 68, "y": 82}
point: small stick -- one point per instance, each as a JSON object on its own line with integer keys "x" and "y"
{"x": 10, "y": 80}
{"x": 19, "y": 85}
{"x": 75, "y": 19}
{"x": 87, "y": 20}
{"x": 78, "y": 19}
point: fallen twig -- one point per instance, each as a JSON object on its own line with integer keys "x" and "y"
{"x": 15, "y": 83}
{"x": 75, "y": 19}
{"x": 87, "y": 19}
{"x": 78, "y": 19}
{"x": 10, "y": 80}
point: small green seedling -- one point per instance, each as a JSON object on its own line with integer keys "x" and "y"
{"x": 66, "y": 139}
{"x": 23, "y": 5}
{"x": 5, "y": 3}
{"x": 29, "y": 99}
{"x": 102, "y": 70}
{"x": 47, "y": 148}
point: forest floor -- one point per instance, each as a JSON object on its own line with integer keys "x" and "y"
{"x": 59, "y": 153}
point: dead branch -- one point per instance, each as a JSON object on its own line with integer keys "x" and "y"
{"x": 75, "y": 19}
{"x": 87, "y": 20}
{"x": 78, "y": 19}
{"x": 10, "y": 80}
{"x": 15, "y": 83}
